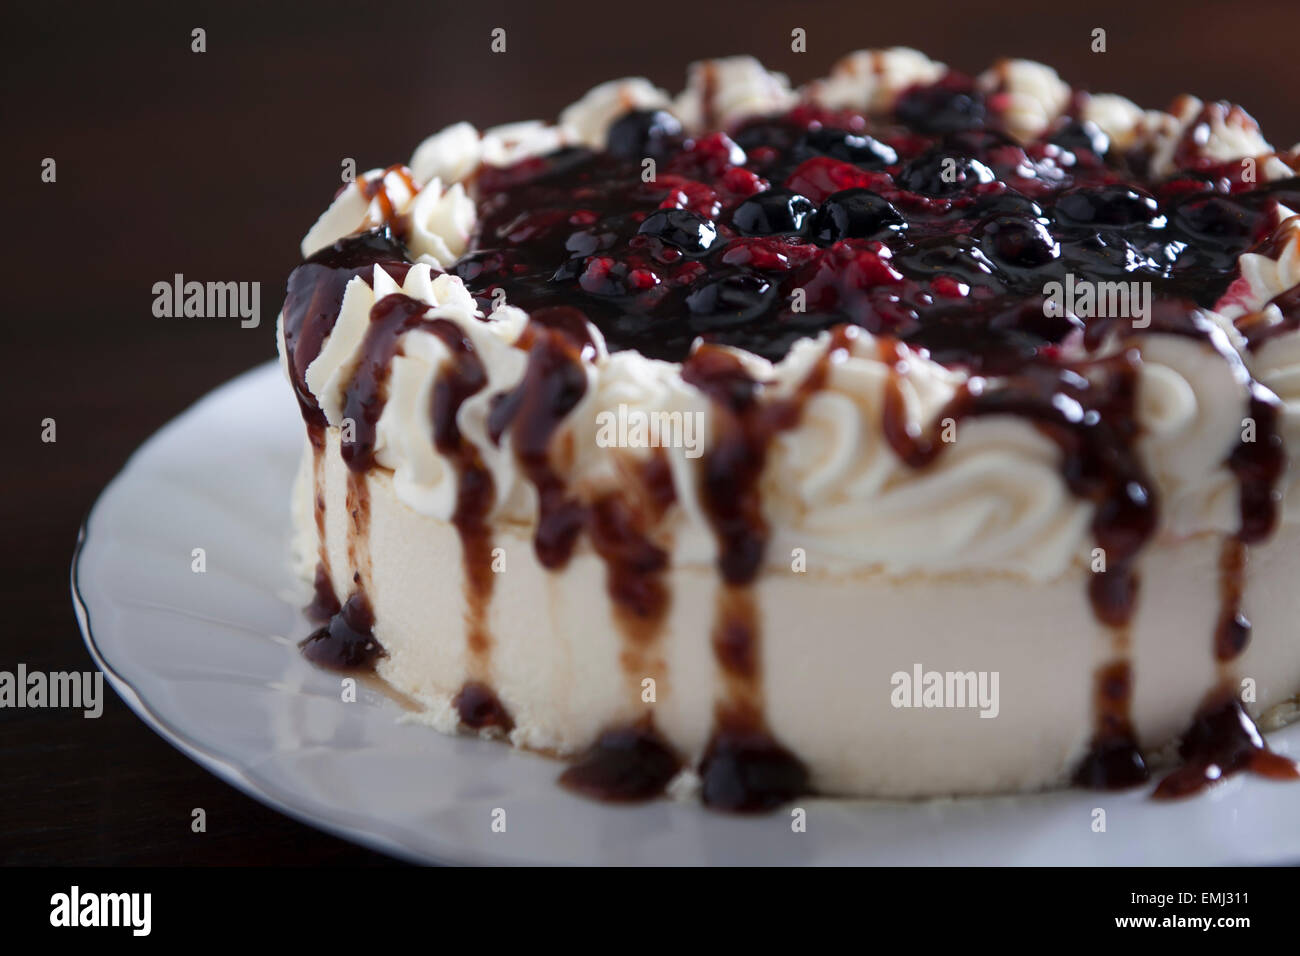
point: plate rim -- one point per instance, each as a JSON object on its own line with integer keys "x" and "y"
{"x": 207, "y": 758}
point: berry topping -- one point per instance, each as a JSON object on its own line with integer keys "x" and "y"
{"x": 927, "y": 225}
{"x": 1216, "y": 219}
{"x": 857, "y": 148}
{"x": 769, "y": 254}
{"x": 1006, "y": 204}
{"x": 981, "y": 143}
{"x": 857, "y": 214}
{"x": 1116, "y": 205}
{"x": 731, "y": 300}
{"x": 688, "y": 231}
{"x": 942, "y": 173}
{"x": 945, "y": 107}
{"x": 1079, "y": 135}
{"x": 709, "y": 156}
{"x": 1017, "y": 241}
{"x": 955, "y": 256}
{"x": 821, "y": 176}
{"x": 775, "y": 212}
{"x": 643, "y": 133}
{"x": 1107, "y": 254}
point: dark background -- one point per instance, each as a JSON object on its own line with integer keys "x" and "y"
{"x": 215, "y": 164}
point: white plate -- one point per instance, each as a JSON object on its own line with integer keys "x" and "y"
{"x": 209, "y": 661}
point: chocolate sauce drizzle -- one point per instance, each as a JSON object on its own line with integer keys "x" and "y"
{"x": 958, "y": 273}
{"x": 618, "y": 525}
{"x": 347, "y": 642}
{"x": 632, "y": 762}
{"x": 553, "y": 383}
{"x": 479, "y": 708}
{"x": 1257, "y": 332}
{"x": 1113, "y": 761}
{"x": 744, "y": 768}
{"x": 1232, "y": 632}
{"x": 324, "y": 603}
{"x": 376, "y": 188}
{"x": 315, "y": 295}
{"x": 1223, "y": 740}
{"x": 461, "y": 378}
{"x": 625, "y": 765}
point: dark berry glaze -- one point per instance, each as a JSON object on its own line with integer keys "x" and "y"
{"x": 939, "y": 233}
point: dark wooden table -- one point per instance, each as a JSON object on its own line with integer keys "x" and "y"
{"x": 214, "y": 164}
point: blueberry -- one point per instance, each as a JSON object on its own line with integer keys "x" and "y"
{"x": 580, "y": 245}
{"x": 1218, "y": 229}
{"x": 1076, "y": 135}
{"x": 1017, "y": 241}
{"x": 475, "y": 267}
{"x": 562, "y": 162}
{"x": 977, "y": 142}
{"x": 1115, "y": 205}
{"x": 775, "y": 134}
{"x": 642, "y": 133}
{"x": 775, "y": 212}
{"x": 935, "y": 110}
{"x": 857, "y": 148}
{"x": 587, "y": 242}
{"x": 568, "y": 270}
{"x": 1008, "y": 203}
{"x": 857, "y": 214}
{"x": 957, "y": 256}
{"x": 731, "y": 300}
{"x": 1109, "y": 254}
{"x": 1215, "y": 218}
{"x": 688, "y": 231}
{"x": 939, "y": 173}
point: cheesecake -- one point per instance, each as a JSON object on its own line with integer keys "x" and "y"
{"x": 903, "y": 434}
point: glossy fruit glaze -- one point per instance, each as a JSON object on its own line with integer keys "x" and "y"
{"x": 927, "y": 225}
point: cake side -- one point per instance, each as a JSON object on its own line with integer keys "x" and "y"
{"x": 562, "y": 663}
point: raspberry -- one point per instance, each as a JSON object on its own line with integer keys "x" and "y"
{"x": 818, "y": 178}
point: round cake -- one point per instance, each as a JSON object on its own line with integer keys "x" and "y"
{"x": 904, "y": 434}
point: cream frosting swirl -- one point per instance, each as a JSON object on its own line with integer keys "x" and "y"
{"x": 720, "y": 92}
{"x": 441, "y": 220}
{"x": 871, "y": 80}
{"x": 1028, "y": 95}
{"x": 1276, "y": 363}
{"x": 1219, "y": 132}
